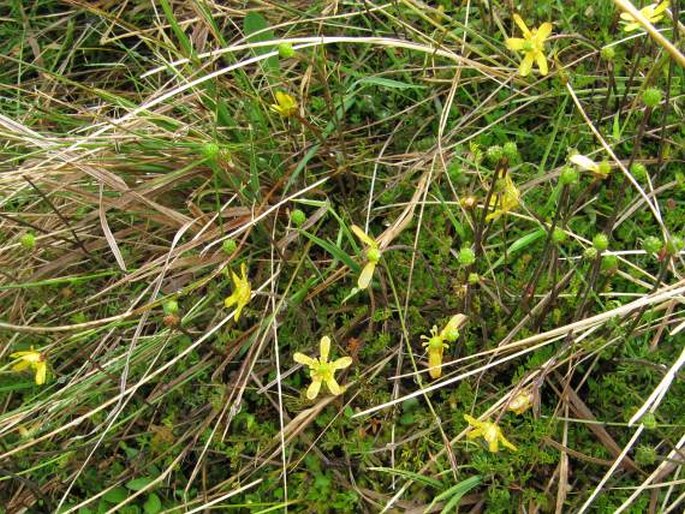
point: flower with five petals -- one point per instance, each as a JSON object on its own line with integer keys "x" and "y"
{"x": 532, "y": 45}
{"x": 489, "y": 431}
{"x": 321, "y": 370}
{"x": 241, "y": 293}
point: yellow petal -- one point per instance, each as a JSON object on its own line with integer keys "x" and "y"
{"x": 435, "y": 363}
{"x": 522, "y": 25}
{"x": 301, "y": 358}
{"x": 506, "y": 443}
{"x": 341, "y": 363}
{"x": 542, "y": 63}
{"x": 544, "y": 31}
{"x": 366, "y": 275}
{"x": 493, "y": 446}
{"x": 661, "y": 8}
{"x": 231, "y": 301}
{"x": 363, "y": 236}
{"x": 515, "y": 43}
{"x": 41, "y": 372}
{"x": 21, "y": 366}
{"x": 526, "y": 65}
{"x": 325, "y": 348}
{"x": 627, "y": 17}
{"x": 333, "y": 386}
{"x": 236, "y": 316}
{"x": 313, "y": 390}
{"x": 472, "y": 421}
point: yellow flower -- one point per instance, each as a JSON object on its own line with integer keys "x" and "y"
{"x": 321, "y": 370}
{"x": 532, "y": 44}
{"x": 373, "y": 255}
{"x": 285, "y": 104}
{"x": 31, "y": 359}
{"x": 488, "y": 431}
{"x": 436, "y": 343}
{"x": 242, "y": 292}
{"x": 521, "y": 402}
{"x": 652, "y": 12}
{"x": 505, "y": 201}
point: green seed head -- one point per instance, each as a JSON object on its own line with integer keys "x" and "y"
{"x": 298, "y": 217}
{"x": 286, "y": 51}
{"x": 608, "y": 53}
{"x": 558, "y": 236}
{"x": 170, "y": 307}
{"x": 494, "y": 153}
{"x": 373, "y": 254}
{"x": 652, "y": 244}
{"x": 600, "y": 242}
{"x": 210, "y": 151}
{"x": 474, "y": 278}
{"x": 609, "y": 263}
{"x": 590, "y": 253}
{"x": 652, "y": 97}
{"x": 229, "y": 246}
{"x": 639, "y": 171}
{"x": 510, "y": 150}
{"x": 28, "y": 241}
{"x": 466, "y": 256}
{"x": 649, "y": 421}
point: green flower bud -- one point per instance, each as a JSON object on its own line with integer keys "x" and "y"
{"x": 28, "y": 241}
{"x": 652, "y": 97}
{"x": 286, "y": 51}
{"x": 568, "y": 176}
{"x": 170, "y": 307}
{"x": 510, "y": 150}
{"x": 229, "y": 246}
{"x": 600, "y": 242}
{"x": 652, "y": 244}
{"x": 558, "y": 236}
{"x": 474, "y": 278}
{"x": 466, "y": 256}
{"x": 298, "y": 217}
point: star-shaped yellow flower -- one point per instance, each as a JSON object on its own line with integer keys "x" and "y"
{"x": 321, "y": 370}
{"x": 241, "y": 293}
{"x": 373, "y": 255}
{"x": 31, "y": 359}
{"x": 532, "y": 44}
{"x": 285, "y": 105}
{"x": 652, "y": 12}
{"x": 504, "y": 201}
{"x": 488, "y": 431}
